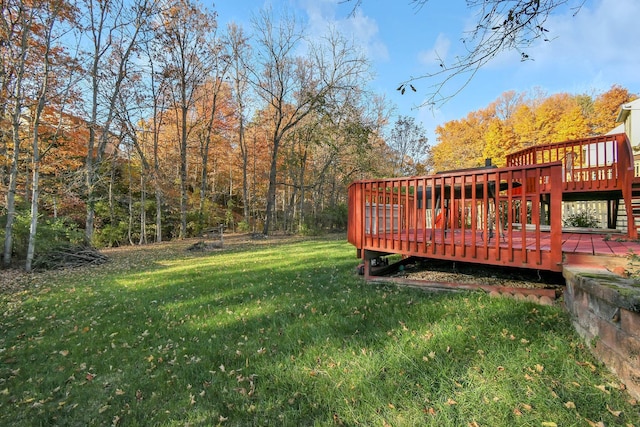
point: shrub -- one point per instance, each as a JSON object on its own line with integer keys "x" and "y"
{"x": 243, "y": 227}
{"x": 584, "y": 218}
{"x": 334, "y": 217}
{"x": 309, "y": 230}
{"x": 51, "y": 233}
{"x": 111, "y": 235}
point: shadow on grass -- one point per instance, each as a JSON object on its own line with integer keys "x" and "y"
{"x": 283, "y": 335}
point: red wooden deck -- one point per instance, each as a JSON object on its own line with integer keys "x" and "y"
{"x": 448, "y": 215}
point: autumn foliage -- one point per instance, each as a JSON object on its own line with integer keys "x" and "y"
{"x": 139, "y": 123}
{"x": 518, "y": 120}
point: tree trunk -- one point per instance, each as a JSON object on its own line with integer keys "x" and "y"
{"x": 35, "y": 185}
{"x": 301, "y": 201}
{"x": 11, "y": 198}
{"x": 130, "y": 203}
{"x": 183, "y": 174}
{"x": 203, "y": 186}
{"x": 271, "y": 192}
{"x": 16, "y": 121}
{"x": 143, "y": 211}
{"x": 245, "y": 167}
{"x": 35, "y": 196}
{"x": 156, "y": 173}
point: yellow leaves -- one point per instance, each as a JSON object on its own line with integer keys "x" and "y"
{"x": 602, "y": 388}
{"x": 431, "y": 355}
{"x": 587, "y": 364}
{"x": 549, "y": 424}
{"x": 63, "y": 353}
{"x": 450, "y": 402}
{"x": 4, "y": 392}
{"x": 570, "y": 405}
{"x": 517, "y": 411}
{"x": 613, "y": 412}
{"x": 119, "y": 392}
{"x": 429, "y": 411}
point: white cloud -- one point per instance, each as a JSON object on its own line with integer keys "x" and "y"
{"x": 437, "y": 54}
{"x": 361, "y": 28}
{"x": 599, "y": 34}
{"x": 598, "y": 45}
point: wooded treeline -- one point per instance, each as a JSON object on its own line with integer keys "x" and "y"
{"x": 515, "y": 121}
{"x": 141, "y": 121}
{"x": 126, "y": 122}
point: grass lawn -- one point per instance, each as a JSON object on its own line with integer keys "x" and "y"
{"x": 284, "y": 333}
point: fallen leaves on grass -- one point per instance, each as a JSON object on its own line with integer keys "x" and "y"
{"x": 613, "y": 412}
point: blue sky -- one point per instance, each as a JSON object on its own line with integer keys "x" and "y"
{"x": 588, "y": 53}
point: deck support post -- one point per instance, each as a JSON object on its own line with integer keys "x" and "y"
{"x": 612, "y": 213}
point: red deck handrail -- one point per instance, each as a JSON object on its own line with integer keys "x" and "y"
{"x": 601, "y": 164}
{"x": 400, "y": 216}
{"x": 598, "y": 163}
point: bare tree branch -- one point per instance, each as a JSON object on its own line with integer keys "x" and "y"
{"x": 502, "y": 26}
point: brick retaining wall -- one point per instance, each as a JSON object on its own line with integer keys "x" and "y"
{"x": 605, "y": 310}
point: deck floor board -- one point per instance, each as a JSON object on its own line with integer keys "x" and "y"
{"x": 576, "y": 243}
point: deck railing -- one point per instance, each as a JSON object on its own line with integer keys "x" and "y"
{"x": 590, "y": 164}
{"x": 602, "y": 164}
{"x": 489, "y": 216}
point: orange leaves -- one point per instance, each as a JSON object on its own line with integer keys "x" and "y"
{"x": 429, "y": 411}
{"x": 514, "y": 121}
{"x": 450, "y": 402}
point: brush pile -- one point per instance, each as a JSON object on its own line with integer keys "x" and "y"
{"x": 69, "y": 256}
